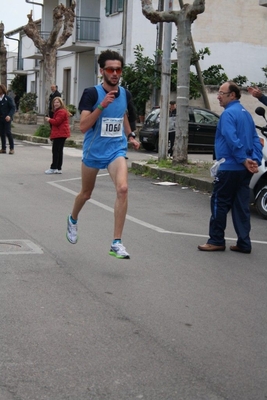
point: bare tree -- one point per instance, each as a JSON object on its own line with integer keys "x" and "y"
{"x": 3, "y": 60}
{"x": 63, "y": 22}
{"x": 183, "y": 20}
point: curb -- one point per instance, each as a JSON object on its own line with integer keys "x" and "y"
{"x": 78, "y": 144}
{"x": 36, "y": 139}
{"x": 197, "y": 182}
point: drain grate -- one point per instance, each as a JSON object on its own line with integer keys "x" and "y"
{"x": 19, "y": 247}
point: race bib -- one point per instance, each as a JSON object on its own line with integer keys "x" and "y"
{"x": 111, "y": 127}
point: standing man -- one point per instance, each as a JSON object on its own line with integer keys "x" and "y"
{"x": 54, "y": 93}
{"x": 172, "y": 109}
{"x": 7, "y": 110}
{"x": 105, "y": 123}
{"x": 256, "y": 92}
{"x": 237, "y": 142}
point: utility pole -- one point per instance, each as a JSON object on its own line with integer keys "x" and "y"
{"x": 158, "y": 60}
{"x": 165, "y": 86}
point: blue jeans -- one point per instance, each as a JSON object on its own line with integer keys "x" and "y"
{"x": 231, "y": 192}
{"x": 5, "y": 130}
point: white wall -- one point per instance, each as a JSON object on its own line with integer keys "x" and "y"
{"x": 235, "y": 32}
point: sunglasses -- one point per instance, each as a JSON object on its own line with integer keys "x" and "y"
{"x": 111, "y": 70}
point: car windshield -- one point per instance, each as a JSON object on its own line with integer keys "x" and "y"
{"x": 153, "y": 117}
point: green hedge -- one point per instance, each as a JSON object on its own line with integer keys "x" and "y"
{"x": 43, "y": 131}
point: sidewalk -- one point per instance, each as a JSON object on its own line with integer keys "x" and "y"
{"x": 26, "y": 132}
{"x": 199, "y": 181}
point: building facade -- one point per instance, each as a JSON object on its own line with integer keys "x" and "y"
{"x": 231, "y": 29}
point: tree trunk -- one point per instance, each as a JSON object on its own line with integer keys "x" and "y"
{"x": 3, "y": 60}
{"x": 49, "y": 67}
{"x": 183, "y": 20}
{"x": 63, "y": 22}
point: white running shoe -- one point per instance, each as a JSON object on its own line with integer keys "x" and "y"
{"x": 118, "y": 250}
{"x": 58, "y": 171}
{"x": 71, "y": 234}
{"x": 51, "y": 171}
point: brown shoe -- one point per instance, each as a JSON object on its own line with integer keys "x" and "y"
{"x": 2, "y": 151}
{"x": 11, "y": 151}
{"x": 239, "y": 250}
{"x": 211, "y": 247}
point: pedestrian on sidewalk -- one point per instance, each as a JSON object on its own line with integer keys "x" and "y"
{"x": 54, "y": 93}
{"x": 237, "y": 142}
{"x": 59, "y": 133}
{"x": 7, "y": 110}
{"x": 105, "y": 123}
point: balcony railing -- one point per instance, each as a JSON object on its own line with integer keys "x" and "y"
{"x": 87, "y": 29}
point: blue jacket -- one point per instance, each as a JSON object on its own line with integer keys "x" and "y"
{"x": 263, "y": 99}
{"x": 236, "y": 138}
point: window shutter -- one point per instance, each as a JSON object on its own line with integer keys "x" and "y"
{"x": 120, "y": 5}
{"x": 108, "y": 7}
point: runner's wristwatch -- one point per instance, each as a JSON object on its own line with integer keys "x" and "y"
{"x": 132, "y": 134}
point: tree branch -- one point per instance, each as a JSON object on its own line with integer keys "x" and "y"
{"x": 198, "y": 7}
{"x": 32, "y": 32}
{"x": 68, "y": 24}
{"x": 157, "y": 16}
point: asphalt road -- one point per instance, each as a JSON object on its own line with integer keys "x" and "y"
{"x": 170, "y": 323}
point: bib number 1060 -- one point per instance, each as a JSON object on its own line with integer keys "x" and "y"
{"x": 113, "y": 127}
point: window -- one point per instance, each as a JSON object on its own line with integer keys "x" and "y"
{"x": 205, "y": 117}
{"x": 113, "y": 6}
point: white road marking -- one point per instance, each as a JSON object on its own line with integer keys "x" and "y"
{"x": 19, "y": 247}
{"x": 136, "y": 220}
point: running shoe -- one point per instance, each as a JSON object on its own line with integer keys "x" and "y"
{"x": 72, "y": 234}
{"x": 118, "y": 250}
{"x": 51, "y": 171}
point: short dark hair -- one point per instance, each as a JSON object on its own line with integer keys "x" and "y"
{"x": 234, "y": 88}
{"x": 172, "y": 102}
{"x": 109, "y": 55}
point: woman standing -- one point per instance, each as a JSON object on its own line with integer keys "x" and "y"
{"x": 7, "y": 110}
{"x": 60, "y": 131}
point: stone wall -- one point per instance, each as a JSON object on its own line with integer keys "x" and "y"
{"x": 25, "y": 118}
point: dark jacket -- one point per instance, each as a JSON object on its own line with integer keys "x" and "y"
{"x": 51, "y": 97}
{"x": 263, "y": 99}
{"x": 7, "y": 107}
{"x": 60, "y": 124}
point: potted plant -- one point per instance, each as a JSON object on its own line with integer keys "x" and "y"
{"x": 28, "y": 102}
{"x": 71, "y": 109}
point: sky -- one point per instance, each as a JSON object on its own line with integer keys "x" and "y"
{"x": 13, "y": 14}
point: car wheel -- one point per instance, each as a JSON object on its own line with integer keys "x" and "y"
{"x": 261, "y": 203}
{"x": 148, "y": 146}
